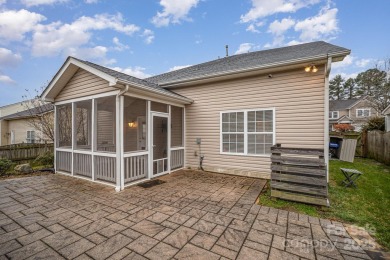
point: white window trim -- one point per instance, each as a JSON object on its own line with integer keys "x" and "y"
{"x": 29, "y": 140}
{"x": 246, "y": 131}
{"x": 362, "y": 109}
{"x": 332, "y": 117}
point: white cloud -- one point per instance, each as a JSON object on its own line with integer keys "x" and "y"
{"x": 244, "y": 48}
{"x": 324, "y": 24}
{"x": 173, "y": 11}
{"x": 178, "y": 67}
{"x": 252, "y": 28}
{"x": 138, "y": 72}
{"x": 30, "y": 3}
{"x": 148, "y": 35}
{"x": 91, "y": 1}
{"x": 54, "y": 38}
{"x": 348, "y": 61}
{"x": 264, "y": 8}
{"x": 15, "y": 24}
{"x": 280, "y": 27}
{"x": 343, "y": 74}
{"x": 8, "y": 58}
{"x": 97, "y": 53}
{"x": 3, "y": 2}
{"x": 118, "y": 45}
{"x": 363, "y": 62}
{"x": 6, "y": 79}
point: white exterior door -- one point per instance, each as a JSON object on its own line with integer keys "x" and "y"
{"x": 160, "y": 144}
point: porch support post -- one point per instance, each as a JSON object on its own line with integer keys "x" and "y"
{"x": 169, "y": 139}
{"x": 121, "y": 129}
{"x": 55, "y": 138}
{"x": 73, "y": 134}
{"x": 93, "y": 137}
{"x": 118, "y": 144}
{"x": 149, "y": 139}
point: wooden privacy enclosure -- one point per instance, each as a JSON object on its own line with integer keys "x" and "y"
{"x": 299, "y": 175}
{"x": 378, "y": 146}
{"x": 24, "y": 152}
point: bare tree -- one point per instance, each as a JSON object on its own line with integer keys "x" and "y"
{"x": 40, "y": 113}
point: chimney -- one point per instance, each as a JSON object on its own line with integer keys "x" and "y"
{"x": 227, "y": 50}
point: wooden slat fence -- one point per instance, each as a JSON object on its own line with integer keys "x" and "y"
{"x": 378, "y": 146}
{"x": 24, "y": 152}
{"x": 299, "y": 175}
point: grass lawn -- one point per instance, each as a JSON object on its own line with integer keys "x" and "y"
{"x": 369, "y": 204}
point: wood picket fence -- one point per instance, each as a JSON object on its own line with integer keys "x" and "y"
{"x": 24, "y": 152}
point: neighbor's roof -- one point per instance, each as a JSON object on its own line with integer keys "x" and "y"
{"x": 336, "y": 105}
{"x": 253, "y": 60}
{"x": 29, "y": 112}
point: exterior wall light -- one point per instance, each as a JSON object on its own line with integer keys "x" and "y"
{"x": 132, "y": 124}
{"x": 311, "y": 68}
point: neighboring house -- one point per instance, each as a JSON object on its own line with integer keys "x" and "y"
{"x": 15, "y": 128}
{"x": 355, "y": 112}
{"x": 118, "y": 129}
{"x": 386, "y": 113}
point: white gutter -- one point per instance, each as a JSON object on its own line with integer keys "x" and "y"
{"x": 267, "y": 66}
{"x": 151, "y": 89}
{"x": 326, "y": 116}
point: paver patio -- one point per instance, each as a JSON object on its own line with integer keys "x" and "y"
{"x": 194, "y": 215}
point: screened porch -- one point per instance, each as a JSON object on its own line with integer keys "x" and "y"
{"x": 118, "y": 140}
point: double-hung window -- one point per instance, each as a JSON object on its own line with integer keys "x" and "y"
{"x": 363, "y": 112}
{"x": 333, "y": 114}
{"x": 30, "y": 137}
{"x": 247, "y": 132}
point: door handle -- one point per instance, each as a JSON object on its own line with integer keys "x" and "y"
{"x": 154, "y": 146}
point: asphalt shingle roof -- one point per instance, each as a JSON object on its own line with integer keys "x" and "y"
{"x": 336, "y": 105}
{"x": 248, "y": 61}
{"x": 126, "y": 77}
{"x": 30, "y": 112}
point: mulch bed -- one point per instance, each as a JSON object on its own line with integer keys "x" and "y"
{"x": 14, "y": 175}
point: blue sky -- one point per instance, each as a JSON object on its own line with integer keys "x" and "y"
{"x": 149, "y": 37}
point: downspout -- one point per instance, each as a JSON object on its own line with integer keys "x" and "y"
{"x": 326, "y": 117}
{"x": 119, "y": 146}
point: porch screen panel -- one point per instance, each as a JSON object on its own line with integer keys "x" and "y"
{"x": 83, "y": 124}
{"x": 105, "y": 124}
{"x": 64, "y": 126}
{"x": 177, "y": 118}
{"x": 134, "y": 125}
{"x": 159, "y": 107}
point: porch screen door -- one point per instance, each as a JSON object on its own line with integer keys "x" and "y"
{"x": 160, "y": 144}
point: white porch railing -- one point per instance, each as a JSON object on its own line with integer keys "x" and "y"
{"x": 177, "y": 158}
{"x": 82, "y": 164}
{"x": 105, "y": 168}
{"x": 64, "y": 161}
{"x": 135, "y": 167}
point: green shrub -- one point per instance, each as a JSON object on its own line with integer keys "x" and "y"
{"x": 46, "y": 159}
{"x": 375, "y": 123}
{"x": 5, "y": 165}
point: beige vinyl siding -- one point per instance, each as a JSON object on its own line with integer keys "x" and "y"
{"x": 20, "y": 128}
{"x": 298, "y": 99}
{"x": 83, "y": 84}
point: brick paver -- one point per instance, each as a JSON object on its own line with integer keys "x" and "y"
{"x": 193, "y": 215}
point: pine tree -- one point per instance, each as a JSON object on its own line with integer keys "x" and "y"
{"x": 336, "y": 89}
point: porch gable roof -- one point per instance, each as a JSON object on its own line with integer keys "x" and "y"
{"x": 71, "y": 65}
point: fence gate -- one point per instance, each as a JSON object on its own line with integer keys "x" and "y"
{"x": 299, "y": 175}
